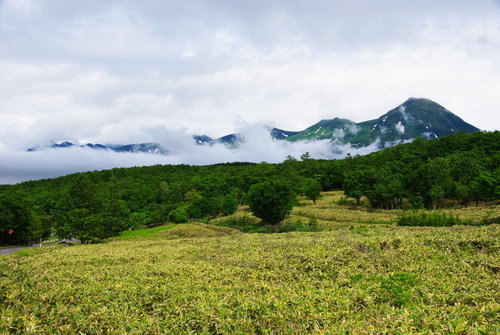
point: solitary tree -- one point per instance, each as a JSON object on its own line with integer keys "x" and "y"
{"x": 271, "y": 200}
{"x": 311, "y": 189}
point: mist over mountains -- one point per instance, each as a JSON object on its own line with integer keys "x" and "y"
{"x": 327, "y": 139}
{"x": 413, "y": 118}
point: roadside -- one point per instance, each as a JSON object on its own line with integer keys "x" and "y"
{"x": 6, "y": 251}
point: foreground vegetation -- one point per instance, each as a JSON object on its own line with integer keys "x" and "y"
{"x": 361, "y": 274}
{"x": 333, "y": 211}
{"x": 396, "y": 280}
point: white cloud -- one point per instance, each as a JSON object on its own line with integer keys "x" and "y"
{"x": 400, "y": 127}
{"x": 101, "y": 71}
{"x": 17, "y": 166}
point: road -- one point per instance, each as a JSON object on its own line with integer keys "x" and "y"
{"x": 6, "y": 251}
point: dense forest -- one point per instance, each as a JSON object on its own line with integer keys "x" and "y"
{"x": 461, "y": 169}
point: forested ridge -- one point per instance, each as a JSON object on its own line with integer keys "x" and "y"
{"x": 462, "y": 168}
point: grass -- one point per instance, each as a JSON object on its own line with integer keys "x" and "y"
{"x": 356, "y": 278}
{"x": 334, "y": 212}
{"x": 197, "y": 230}
{"x": 139, "y": 233}
{"x": 434, "y": 219}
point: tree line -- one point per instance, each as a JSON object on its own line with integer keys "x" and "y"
{"x": 95, "y": 205}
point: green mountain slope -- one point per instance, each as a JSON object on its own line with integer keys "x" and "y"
{"x": 414, "y": 118}
{"x": 418, "y": 118}
{"x": 334, "y": 129}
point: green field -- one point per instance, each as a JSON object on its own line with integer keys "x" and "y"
{"x": 361, "y": 274}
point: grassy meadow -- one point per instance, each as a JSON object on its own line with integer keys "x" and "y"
{"x": 361, "y": 274}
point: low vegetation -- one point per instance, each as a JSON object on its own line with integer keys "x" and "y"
{"x": 365, "y": 274}
{"x": 387, "y": 280}
{"x": 197, "y": 230}
{"x": 432, "y": 219}
{"x": 138, "y": 233}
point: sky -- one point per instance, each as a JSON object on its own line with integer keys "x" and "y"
{"x": 142, "y": 71}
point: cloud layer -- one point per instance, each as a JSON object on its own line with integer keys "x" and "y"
{"x": 103, "y": 71}
{"x": 17, "y": 166}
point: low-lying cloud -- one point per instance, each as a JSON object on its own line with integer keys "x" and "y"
{"x": 18, "y": 166}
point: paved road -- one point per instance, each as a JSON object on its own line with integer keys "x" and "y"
{"x": 6, "y": 251}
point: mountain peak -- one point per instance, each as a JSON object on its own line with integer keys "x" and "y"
{"x": 411, "y": 99}
{"x": 418, "y": 117}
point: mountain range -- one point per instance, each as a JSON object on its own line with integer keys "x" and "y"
{"x": 413, "y": 118}
{"x": 152, "y": 148}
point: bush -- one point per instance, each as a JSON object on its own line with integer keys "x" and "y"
{"x": 249, "y": 224}
{"x": 244, "y": 223}
{"x": 139, "y": 219}
{"x": 432, "y": 219}
{"x": 178, "y": 215}
{"x": 298, "y": 225}
{"x": 343, "y": 201}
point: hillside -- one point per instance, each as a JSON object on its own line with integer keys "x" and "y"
{"x": 359, "y": 277}
{"x": 458, "y": 170}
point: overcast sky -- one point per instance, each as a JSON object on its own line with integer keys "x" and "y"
{"x": 135, "y": 71}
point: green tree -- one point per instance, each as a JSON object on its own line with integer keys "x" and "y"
{"x": 463, "y": 193}
{"x": 15, "y": 220}
{"x": 271, "y": 200}
{"x": 353, "y": 185}
{"x": 180, "y": 214}
{"x": 228, "y": 203}
{"x": 82, "y": 193}
{"x": 486, "y": 186}
{"x": 305, "y": 156}
{"x": 90, "y": 214}
{"x": 311, "y": 189}
{"x": 140, "y": 219}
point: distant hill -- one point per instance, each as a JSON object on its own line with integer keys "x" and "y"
{"x": 413, "y": 118}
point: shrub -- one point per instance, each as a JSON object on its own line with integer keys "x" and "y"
{"x": 299, "y": 225}
{"x": 343, "y": 201}
{"x": 432, "y": 219}
{"x": 244, "y": 223}
{"x": 417, "y": 202}
{"x": 179, "y": 215}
